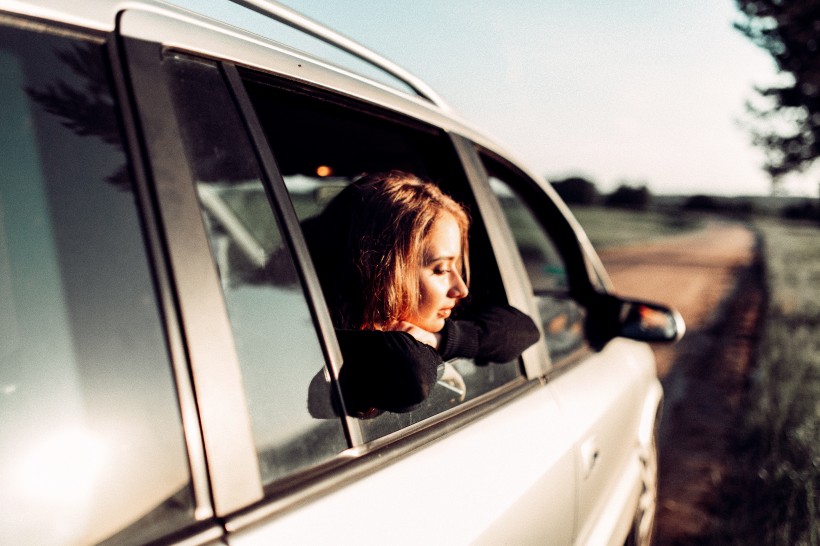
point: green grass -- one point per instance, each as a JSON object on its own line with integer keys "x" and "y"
{"x": 774, "y": 495}
{"x": 612, "y": 227}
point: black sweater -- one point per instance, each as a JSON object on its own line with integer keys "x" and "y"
{"x": 393, "y": 371}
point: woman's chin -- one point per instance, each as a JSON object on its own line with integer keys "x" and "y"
{"x": 431, "y": 324}
{"x": 436, "y": 325}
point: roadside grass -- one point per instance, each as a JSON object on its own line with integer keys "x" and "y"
{"x": 773, "y": 494}
{"x": 612, "y": 227}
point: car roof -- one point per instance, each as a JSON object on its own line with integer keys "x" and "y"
{"x": 243, "y": 20}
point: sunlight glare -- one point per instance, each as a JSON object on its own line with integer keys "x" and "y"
{"x": 63, "y": 467}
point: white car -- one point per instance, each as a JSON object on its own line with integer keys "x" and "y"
{"x": 168, "y": 367}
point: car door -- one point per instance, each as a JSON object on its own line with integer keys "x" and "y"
{"x": 603, "y": 391}
{"x": 462, "y": 470}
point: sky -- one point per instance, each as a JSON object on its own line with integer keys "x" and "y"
{"x": 618, "y": 91}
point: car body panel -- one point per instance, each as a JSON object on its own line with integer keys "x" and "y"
{"x": 606, "y": 445}
{"x": 440, "y": 494}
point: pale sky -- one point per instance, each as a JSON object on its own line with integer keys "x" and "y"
{"x": 618, "y": 90}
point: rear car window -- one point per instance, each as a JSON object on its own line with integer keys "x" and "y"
{"x": 91, "y": 443}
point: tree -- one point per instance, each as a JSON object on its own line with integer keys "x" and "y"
{"x": 576, "y": 191}
{"x": 630, "y": 197}
{"x": 701, "y": 202}
{"x": 787, "y": 123}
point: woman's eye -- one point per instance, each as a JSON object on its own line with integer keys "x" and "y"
{"x": 441, "y": 271}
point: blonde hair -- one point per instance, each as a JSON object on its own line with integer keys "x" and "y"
{"x": 378, "y": 226}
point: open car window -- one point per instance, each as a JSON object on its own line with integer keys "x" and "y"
{"x": 321, "y": 143}
{"x": 562, "y": 316}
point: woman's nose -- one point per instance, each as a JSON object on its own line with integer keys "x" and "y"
{"x": 458, "y": 289}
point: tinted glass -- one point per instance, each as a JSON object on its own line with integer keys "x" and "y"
{"x": 91, "y": 440}
{"x": 283, "y": 366}
{"x": 562, "y": 318}
{"x": 321, "y": 146}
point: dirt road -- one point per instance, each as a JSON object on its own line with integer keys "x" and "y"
{"x": 711, "y": 277}
{"x": 693, "y": 273}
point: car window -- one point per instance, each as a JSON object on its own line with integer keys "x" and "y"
{"x": 562, "y": 317}
{"x": 321, "y": 143}
{"x": 283, "y": 366}
{"x": 91, "y": 442}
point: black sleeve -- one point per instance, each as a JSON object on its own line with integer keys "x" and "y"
{"x": 390, "y": 371}
{"x": 496, "y": 334}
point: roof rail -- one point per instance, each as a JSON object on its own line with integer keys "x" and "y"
{"x": 296, "y": 20}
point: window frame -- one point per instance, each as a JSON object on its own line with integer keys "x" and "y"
{"x": 174, "y": 334}
{"x": 211, "y": 359}
{"x": 547, "y": 212}
{"x": 274, "y": 183}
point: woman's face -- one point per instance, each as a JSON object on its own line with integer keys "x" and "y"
{"x": 440, "y": 282}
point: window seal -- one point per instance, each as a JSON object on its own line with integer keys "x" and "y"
{"x": 55, "y": 28}
{"x": 275, "y": 185}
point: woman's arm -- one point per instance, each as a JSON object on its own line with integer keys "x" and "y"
{"x": 396, "y": 370}
{"x": 495, "y": 334}
{"x": 389, "y": 371}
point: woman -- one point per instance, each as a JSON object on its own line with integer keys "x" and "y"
{"x": 392, "y": 254}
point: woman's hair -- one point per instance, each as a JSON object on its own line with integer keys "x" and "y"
{"x": 368, "y": 246}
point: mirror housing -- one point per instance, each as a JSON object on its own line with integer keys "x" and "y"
{"x": 615, "y": 316}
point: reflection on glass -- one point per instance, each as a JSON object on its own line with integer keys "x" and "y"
{"x": 544, "y": 264}
{"x": 91, "y": 443}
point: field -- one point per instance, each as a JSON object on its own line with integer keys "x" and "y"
{"x": 774, "y": 495}
{"x": 611, "y": 227}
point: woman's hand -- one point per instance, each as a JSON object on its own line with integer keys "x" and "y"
{"x": 433, "y": 339}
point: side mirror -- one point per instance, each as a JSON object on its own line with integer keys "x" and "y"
{"x": 612, "y": 316}
{"x": 645, "y": 321}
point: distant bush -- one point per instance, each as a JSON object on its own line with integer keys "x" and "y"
{"x": 724, "y": 205}
{"x": 701, "y": 202}
{"x": 577, "y": 191}
{"x": 629, "y": 197}
{"x": 806, "y": 210}
{"x": 743, "y": 207}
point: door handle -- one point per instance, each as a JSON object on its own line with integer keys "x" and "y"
{"x": 590, "y": 453}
